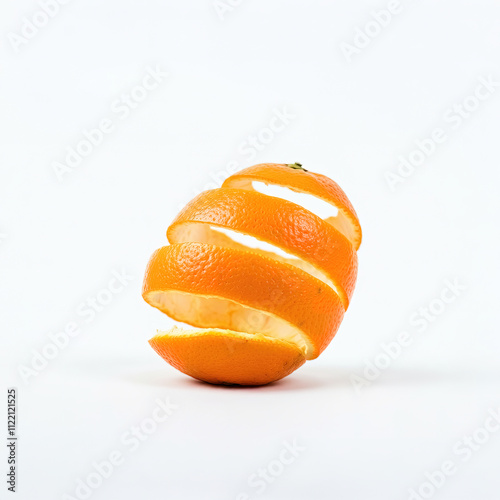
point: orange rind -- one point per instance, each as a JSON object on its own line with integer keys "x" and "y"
{"x": 258, "y": 314}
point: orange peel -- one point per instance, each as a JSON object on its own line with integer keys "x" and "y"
{"x": 258, "y": 315}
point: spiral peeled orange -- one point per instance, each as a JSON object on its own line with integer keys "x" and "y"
{"x": 258, "y": 315}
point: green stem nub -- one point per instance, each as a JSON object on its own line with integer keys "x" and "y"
{"x": 296, "y": 166}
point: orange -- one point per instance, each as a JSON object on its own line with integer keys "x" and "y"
{"x": 261, "y": 314}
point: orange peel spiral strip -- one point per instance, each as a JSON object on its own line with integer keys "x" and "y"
{"x": 258, "y": 315}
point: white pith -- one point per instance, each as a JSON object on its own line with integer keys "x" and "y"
{"x": 224, "y": 314}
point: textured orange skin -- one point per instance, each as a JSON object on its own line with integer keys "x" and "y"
{"x": 281, "y": 223}
{"x": 300, "y": 181}
{"x": 249, "y": 279}
{"x": 253, "y": 278}
{"x": 212, "y": 357}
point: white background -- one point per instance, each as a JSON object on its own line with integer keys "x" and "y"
{"x": 62, "y": 240}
